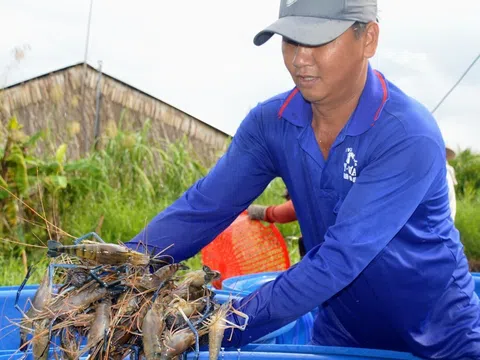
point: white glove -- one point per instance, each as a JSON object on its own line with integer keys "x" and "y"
{"x": 257, "y": 212}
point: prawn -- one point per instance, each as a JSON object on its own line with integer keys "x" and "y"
{"x": 102, "y": 253}
{"x": 152, "y": 329}
{"x": 217, "y": 323}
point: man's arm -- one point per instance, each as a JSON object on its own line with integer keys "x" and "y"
{"x": 378, "y": 205}
{"x": 282, "y": 214}
{"x": 213, "y": 202}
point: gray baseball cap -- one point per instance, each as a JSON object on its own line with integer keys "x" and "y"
{"x": 316, "y": 22}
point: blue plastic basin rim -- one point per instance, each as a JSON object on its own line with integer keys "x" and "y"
{"x": 326, "y": 350}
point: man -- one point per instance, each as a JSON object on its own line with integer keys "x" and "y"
{"x": 452, "y": 182}
{"x": 365, "y": 167}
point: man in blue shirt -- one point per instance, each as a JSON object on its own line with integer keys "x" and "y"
{"x": 365, "y": 167}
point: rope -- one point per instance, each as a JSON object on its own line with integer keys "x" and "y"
{"x": 458, "y": 82}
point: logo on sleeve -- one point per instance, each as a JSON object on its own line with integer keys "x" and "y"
{"x": 350, "y": 166}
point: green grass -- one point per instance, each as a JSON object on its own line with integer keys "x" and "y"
{"x": 467, "y": 222}
{"x": 117, "y": 190}
{"x": 123, "y": 218}
{"x": 12, "y": 270}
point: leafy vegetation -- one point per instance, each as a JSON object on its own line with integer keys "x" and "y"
{"x": 114, "y": 191}
{"x": 120, "y": 186}
{"x": 467, "y": 168}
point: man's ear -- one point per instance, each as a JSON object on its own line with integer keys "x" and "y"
{"x": 371, "y": 35}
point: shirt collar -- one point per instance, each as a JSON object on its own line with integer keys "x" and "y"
{"x": 298, "y": 111}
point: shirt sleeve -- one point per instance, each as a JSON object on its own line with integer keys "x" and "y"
{"x": 451, "y": 191}
{"x": 213, "y": 202}
{"x": 283, "y": 213}
{"x": 386, "y": 193}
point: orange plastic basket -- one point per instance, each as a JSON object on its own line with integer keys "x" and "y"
{"x": 246, "y": 247}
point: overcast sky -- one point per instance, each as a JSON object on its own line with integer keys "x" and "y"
{"x": 199, "y": 55}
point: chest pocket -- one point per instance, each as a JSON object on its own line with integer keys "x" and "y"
{"x": 324, "y": 207}
{"x": 322, "y": 204}
{"x": 328, "y": 205}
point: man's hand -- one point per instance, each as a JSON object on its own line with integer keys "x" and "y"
{"x": 257, "y": 212}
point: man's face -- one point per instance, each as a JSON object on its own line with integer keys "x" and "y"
{"x": 325, "y": 72}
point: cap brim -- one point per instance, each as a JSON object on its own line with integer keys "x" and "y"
{"x": 304, "y": 30}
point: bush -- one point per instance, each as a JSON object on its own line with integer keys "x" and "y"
{"x": 467, "y": 222}
{"x": 117, "y": 189}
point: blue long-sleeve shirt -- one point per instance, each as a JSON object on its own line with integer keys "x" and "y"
{"x": 384, "y": 265}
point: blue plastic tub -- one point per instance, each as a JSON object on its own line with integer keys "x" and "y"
{"x": 10, "y": 317}
{"x": 263, "y": 352}
{"x": 267, "y": 350}
{"x": 13, "y": 355}
{"x": 285, "y": 343}
{"x": 15, "y": 287}
{"x": 245, "y": 284}
{"x": 302, "y": 332}
{"x": 9, "y": 332}
{"x": 476, "y": 278}
{"x": 259, "y": 352}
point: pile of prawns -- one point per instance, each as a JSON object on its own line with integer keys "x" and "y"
{"x": 108, "y": 302}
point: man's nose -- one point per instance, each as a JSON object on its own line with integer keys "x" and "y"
{"x": 303, "y": 56}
